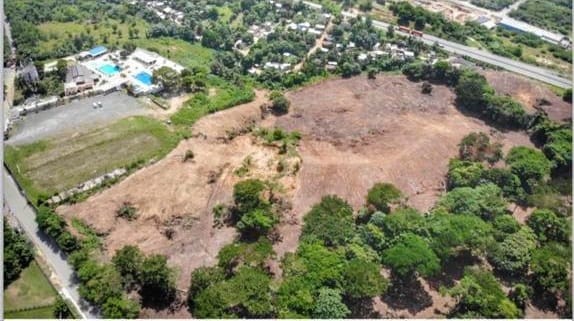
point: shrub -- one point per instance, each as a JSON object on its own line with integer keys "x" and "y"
{"x": 127, "y": 211}
{"x": 382, "y": 195}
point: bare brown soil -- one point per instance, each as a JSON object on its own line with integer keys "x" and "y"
{"x": 356, "y": 132}
{"x": 529, "y": 93}
{"x": 176, "y": 194}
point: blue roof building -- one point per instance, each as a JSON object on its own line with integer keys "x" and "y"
{"x": 97, "y": 51}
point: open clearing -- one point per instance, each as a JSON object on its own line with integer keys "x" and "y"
{"x": 31, "y": 290}
{"x": 50, "y": 166}
{"x": 355, "y": 132}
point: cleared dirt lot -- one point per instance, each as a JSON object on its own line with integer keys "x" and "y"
{"x": 176, "y": 194}
{"x": 356, "y": 132}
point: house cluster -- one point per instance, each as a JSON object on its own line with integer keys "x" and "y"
{"x": 261, "y": 31}
{"x": 162, "y": 10}
{"x": 316, "y": 29}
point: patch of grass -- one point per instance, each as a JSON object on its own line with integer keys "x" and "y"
{"x": 224, "y": 14}
{"x": 54, "y": 33}
{"x": 90, "y": 238}
{"x": 32, "y": 289}
{"x": 52, "y": 166}
{"x": 187, "y": 54}
{"x": 226, "y": 96}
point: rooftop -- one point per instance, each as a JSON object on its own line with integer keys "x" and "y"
{"x": 96, "y": 51}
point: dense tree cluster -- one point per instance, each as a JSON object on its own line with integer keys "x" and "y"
{"x": 17, "y": 254}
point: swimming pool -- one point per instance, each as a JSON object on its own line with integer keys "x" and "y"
{"x": 109, "y": 70}
{"x": 144, "y": 77}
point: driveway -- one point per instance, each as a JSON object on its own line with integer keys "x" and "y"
{"x": 75, "y": 117}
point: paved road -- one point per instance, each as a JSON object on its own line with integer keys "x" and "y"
{"x": 50, "y": 251}
{"x": 518, "y": 67}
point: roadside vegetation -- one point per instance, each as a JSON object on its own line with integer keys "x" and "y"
{"x": 555, "y": 15}
{"x": 524, "y": 47}
{"x": 493, "y": 4}
{"x": 28, "y": 294}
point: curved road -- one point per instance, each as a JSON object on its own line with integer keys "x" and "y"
{"x": 64, "y": 273}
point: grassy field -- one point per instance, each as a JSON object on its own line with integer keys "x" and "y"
{"x": 32, "y": 289}
{"x": 48, "y": 167}
{"x": 103, "y": 32}
{"x": 185, "y": 53}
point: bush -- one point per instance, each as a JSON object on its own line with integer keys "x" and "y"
{"x": 476, "y": 147}
{"x": 382, "y": 195}
{"x": 512, "y": 255}
{"x": 484, "y": 201}
{"x": 127, "y": 211}
{"x": 247, "y": 195}
{"x": 530, "y": 165}
{"x": 548, "y": 226}
{"x": 330, "y": 222}
{"x": 279, "y": 104}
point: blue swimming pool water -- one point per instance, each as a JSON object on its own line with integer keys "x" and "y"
{"x": 109, "y": 70}
{"x": 144, "y": 77}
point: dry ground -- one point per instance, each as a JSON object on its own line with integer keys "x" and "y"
{"x": 527, "y": 92}
{"x": 356, "y": 132}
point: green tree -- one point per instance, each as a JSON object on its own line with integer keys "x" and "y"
{"x": 382, "y": 195}
{"x": 120, "y": 308}
{"x": 17, "y": 254}
{"x": 514, "y": 253}
{"x": 530, "y": 165}
{"x": 520, "y": 295}
{"x": 464, "y": 174}
{"x": 258, "y": 221}
{"x": 476, "y": 147}
{"x": 550, "y": 265}
{"x": 61, "y": 310}
{"x": 103, "y": 283}
{"x": 548, "y": 226}
{"x": 451, "y": 234}
{"x": 128, "y": 261}
{"x": 479, "y": 295}
{"x": 504, "y": 225}
{"x": 247, "y": 195}
{"x": 329, "y": 305}
{"x": 156, "y": 278}
{"x": 484, "y": 201}
{"x": 472, "y": 90}
{"x": 167, "y": 77}
{"x": 330, "y": 221}
{"x": 201, "y": 279}
{"x": 411, "y": 255}
{"x": 279, "y": 104}
{"x": 558, "y": 148}
{"x": 362, "y": 279}
{"x": 401, "y": 221}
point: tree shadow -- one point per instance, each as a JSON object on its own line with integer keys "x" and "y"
{"x": 452, "y": 270}
{"x": 407, "y": 294}
{"x": 160, "y": 300}
{"x": 544, "y": 301}
{"x": 362, "y": 308}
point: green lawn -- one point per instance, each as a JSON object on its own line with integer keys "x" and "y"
{"x": 32, "y": 289}
{"x": 185, "y": 53}
{"x": 47, "y": 167}
{"x": 103, "y": 32}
